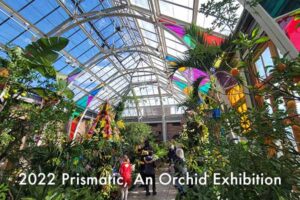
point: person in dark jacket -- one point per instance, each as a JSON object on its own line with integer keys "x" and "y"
{"x": 143, "y": 152}
{"x": 147, "y": 146}
{"x": 172, "y": 154}
{"x": 149, "y": 172}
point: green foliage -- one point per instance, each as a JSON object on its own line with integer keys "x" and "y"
{"x": 32, "y": 134}
{"x": 76, "y": 194}
{"x": 266, "y": 143}
{"x": 120, "y": 107}
{"x": 119, "y": 110}
{"x": 160, "y": 150}
{"x": 202, "y": 56}
{"x": 135, "y": 133}
{"x": 191, "y": 102}
{"x": 43, "y": 53}
{"x": 91, "y": 158}
{"x": 248, "y": 42}
{"x": 223, "y": 155}
{"x": 225, "y": 12}
{"x": 3, "y": 191}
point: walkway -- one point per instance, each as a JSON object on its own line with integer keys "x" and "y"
{"x": 164, "y": 192}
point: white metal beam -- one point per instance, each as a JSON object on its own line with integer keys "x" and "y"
{"x": 195, "y": 11}
{"x": 272, "y": 28}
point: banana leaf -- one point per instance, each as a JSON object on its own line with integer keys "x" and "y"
{"x": 43, "y": 53}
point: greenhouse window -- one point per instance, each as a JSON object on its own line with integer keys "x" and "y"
{"x": 264, "y": 63}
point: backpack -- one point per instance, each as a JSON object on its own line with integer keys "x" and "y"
{"x": 149, "y": 168}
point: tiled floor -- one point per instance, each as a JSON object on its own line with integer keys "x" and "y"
{"x": 167, "y": 192}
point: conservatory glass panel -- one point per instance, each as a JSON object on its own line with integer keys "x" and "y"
{"x": 141, "y": 3}
{"x": 175, "y": 11}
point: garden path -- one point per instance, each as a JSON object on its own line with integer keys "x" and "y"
{"x": 164, "y": 192}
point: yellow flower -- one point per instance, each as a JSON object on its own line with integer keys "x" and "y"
{"x": 181, "y": 69}
{"x": 120, "y": 124}
{"x": 117, "y": 137}
{"x": 4, "y": 72}
{"x": 102, "y": 123}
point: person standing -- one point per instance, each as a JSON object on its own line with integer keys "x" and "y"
{"x": 149, "y": 172}
{"x": 180, "y": 169}
{"x": 171, "y": 157}
{"x": 144, "y": 152}
{"x": 147, "y": 146}
{"x": 172, "y": 154}
{"x": 125, "y": 172}
{"x": 141, "y": 164}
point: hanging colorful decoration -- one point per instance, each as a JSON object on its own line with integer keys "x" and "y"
{"x": 184, "y": 87}
{"x": 226, "y": 80}
{"x": 291, "y": 26}
{"x": 85, "y": 101}
{"x": 73, "y": 126}
{"x": 216, "y": 113}
{"x": 191, "y": 75}
{"x": 237, "y": 99}
{"x": 180, "y": 31}
{"x": 189, "y": 41}
{"x": 82, "y": 104}
{"x": 212, "y": 39}
{"x": 72, "y": 76}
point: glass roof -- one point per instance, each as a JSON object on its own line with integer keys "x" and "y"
{"x": 124, "y": 50}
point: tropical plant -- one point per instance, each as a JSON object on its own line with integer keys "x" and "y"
{"x": 136, "y": 133}
{"x": 264, "y": 145}
{"x": 26, "y": 70}
{"x": 35, "y": 106}
{"x": 120, "y": 107}
{"x": 225, "y": 12}
{"x": 203, "y": 56}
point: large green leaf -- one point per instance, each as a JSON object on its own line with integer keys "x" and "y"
{"x": 42, "y": 92}
{"x": 255, "y": 32}
{"x": 48, "y": 44}
{"x": 45, "y": 70}
{"x": 53, "y": 43}
{"x": 68, "y": 93}
{"x": 44, "y": 50}
{"x": 60, "y": 76}
{"x": 61, "y": 84}
{"x": 43, "y": 53}
{"x": 262, "y": 40}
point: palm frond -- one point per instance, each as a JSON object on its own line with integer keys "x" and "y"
{"x": 203, "y": 55}
{"x": 197, "y": 34}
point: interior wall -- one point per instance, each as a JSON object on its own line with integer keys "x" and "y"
{"x": 173, "y": 129}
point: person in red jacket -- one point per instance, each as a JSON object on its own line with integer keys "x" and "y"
{"x": 125, "y": 172}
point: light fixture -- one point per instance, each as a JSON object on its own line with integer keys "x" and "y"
{"x": 74, "y": 65}
{"x": 118, "y": 29}
{"x": 68, "y": 61}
